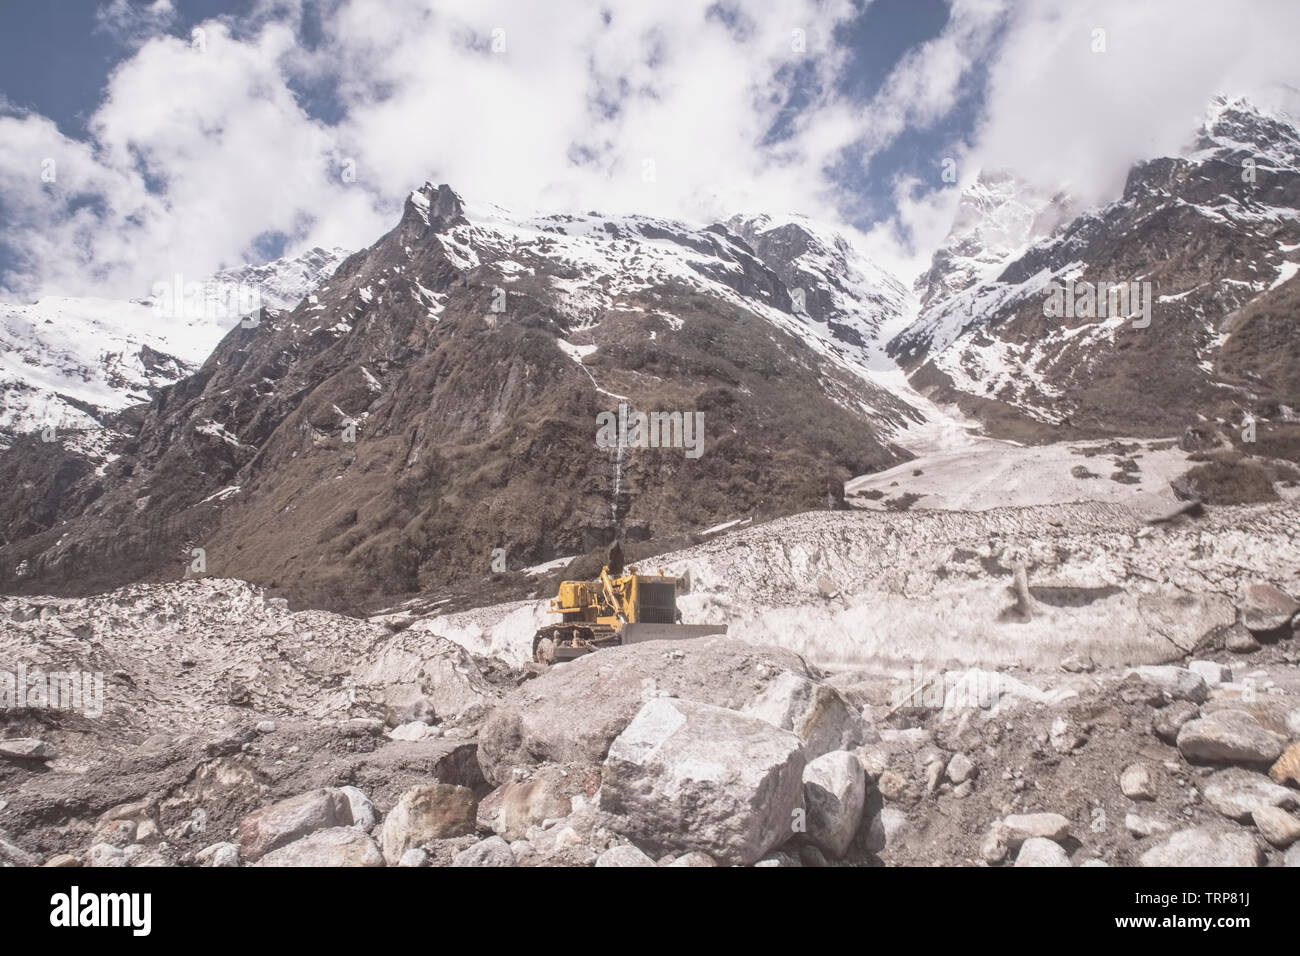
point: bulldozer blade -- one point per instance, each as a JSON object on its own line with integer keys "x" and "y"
{"x": 636, "y": 633}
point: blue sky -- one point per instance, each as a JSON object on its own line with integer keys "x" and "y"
{"x": 288, "y": 123}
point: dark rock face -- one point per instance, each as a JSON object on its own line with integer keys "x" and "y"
{"x": 437, "y": 399}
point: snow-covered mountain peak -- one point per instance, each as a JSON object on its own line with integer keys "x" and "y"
{"x": 69, "y": 362}
{"x": 1235, "y": 127}
{"x": 997, "y": 217}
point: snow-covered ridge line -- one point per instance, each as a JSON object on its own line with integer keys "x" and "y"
{"x": 68, "y": 362}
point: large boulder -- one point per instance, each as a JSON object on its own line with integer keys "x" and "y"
{"x": 272, "y": 827}
{"x": 1202, "y": 846}
{"x": 337, "y": 846}
{"x": 427, "y": 812}
{"x": 820, "y": 715}
{"x": 834, "y": 792}
{"x": 1266, "y": 608}
{"x": 415, "y": 671}
{"x": 1238, "y": 793}
{"x": 1230, "y": 736}
{"x": 515, "y": 807}
{"x": 574, "y": 711}
{"x": 686, "y": 776}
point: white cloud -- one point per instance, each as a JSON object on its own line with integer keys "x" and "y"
{"x": 199, "y": 149}
{"x": 132, "y": 23}
{"x": 1061, "y": 115}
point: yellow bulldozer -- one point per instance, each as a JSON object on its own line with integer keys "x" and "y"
{"x": 612, "y": 610}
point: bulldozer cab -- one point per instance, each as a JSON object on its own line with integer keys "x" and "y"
{"x": 613, "y": 601}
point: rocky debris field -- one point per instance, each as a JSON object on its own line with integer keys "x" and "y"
{"x": 235, "y": 731}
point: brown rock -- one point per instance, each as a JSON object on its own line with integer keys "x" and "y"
{"x": 271, "y": 827}
{"x": 522, "y": 804}
{"x": 428, "y": 812}
{"x": 1287, "y": 768}
{"x": 1266, "y": 608}
{"x": 1276, "y": 826}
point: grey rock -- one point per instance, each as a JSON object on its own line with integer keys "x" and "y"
{"x": 818, "y": 714}
{"x": 887, "y": 828}
{"x": 1240, "y": 641}
{"x": 874, "y": 759}
{"x": 694, "y": 858}
{"x": 11, "y": 854}
{"x": 362, "y": 727}
{"x": 1202, "y": 846}
{"x": 1137, "y": 783}
{"x": 1266, "y": 608}
{"x": 961, "y": 768}
{"x": 812, "y": 857}
{"x": 685, "y": 775}
{"x": 415, "y": 730}
{"x": 624, "y": 855}
{"x": 1276, "y": 826}
{"x": 572, "y": 713}
{"x": 995, "y": 846}
{"x": 1231, "y": 736}
{"x": 493, "y": 851}
{"x": 218, "y": 854}
{"x": 364, "y": 814}
{"x": 834, "y": 791}
{"x": 1237, "y": 793}
{"x": 1142, "y": 827}
{"x": 420, "y": 675}
{"x": 414, "y": 857}
{"x": 524, "y": 852}
{"x": 1212, "y": 672}
{"x": 104, "y": 855}
{"x": 1028, "y": 826}
{"x": 1177, "y": 683}
{"x": 1037, "y": 851}
{"x": 26, "y": 748}
{"x": 336, "y": 846}
{"x": 272, "y": 827}
{"x": 1169, "y": 720}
